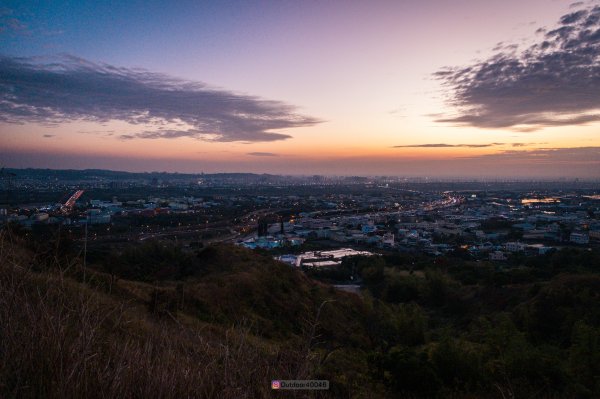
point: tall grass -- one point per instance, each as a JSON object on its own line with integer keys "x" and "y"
{"x": 61, "y": 338}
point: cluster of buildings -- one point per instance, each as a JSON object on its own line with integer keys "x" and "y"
{"x": 484, "y": 226}
{"x": 321, "y": 258}
{"x": 486, "y": 223}
{"x": 342, "y": 230}
{"x": 99, "y": 212}
{"x": 348, "y": 219}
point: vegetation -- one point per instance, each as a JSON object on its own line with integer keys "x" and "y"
{"x": 155, "y": 321}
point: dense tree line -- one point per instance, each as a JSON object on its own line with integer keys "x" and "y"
{"x": 451, "y": 326}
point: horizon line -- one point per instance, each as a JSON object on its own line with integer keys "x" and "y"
{"x": 426, "y": 177}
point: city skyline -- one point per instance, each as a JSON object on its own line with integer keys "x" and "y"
{"x": 354, "y": 88}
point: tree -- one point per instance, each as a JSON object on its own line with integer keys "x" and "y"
{"x": 584, "y": 360}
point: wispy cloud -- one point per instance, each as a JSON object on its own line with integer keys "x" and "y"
{"x": 11, "y": 24}
{"x": 98, "y": 132}
{"x": 47, "y": 136}
{"x": 399, "y": 112}
{"x": 263, "y": 154}
{"x": 75, "y": 89}
{"x": 553, "y": 82}
{"x": 550, "y": 156}
{"x": 525, "y": 144}
{"x": 14, "y": 25}
{"x": 444, "y": 145}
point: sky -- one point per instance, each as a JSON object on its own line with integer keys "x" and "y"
{"x": 436, "y": 88}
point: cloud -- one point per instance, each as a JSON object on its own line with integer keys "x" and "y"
{"x": 546, "y": 156}
{"x": 526, "y": 144}
{"x": 442, "y": 145}
{"x": 399, "y": 112}
{"x": 75, "y": 89}
{"x": 13, "y": 25}
{"x": 554, "y": 82}
{"x": 98, "y": 132}
{"x": 263, "y": 154}
{"x": 10, "y": 24}
{"x": 48, "y": 136}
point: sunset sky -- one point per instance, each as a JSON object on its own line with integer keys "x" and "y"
{"x": 408, "y": 88}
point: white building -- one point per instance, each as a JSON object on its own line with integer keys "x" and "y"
{"x": 388, "y": 239}
{"x": 327, "y": 258}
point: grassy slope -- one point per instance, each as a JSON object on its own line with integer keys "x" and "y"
{"x": 226, "y": 334}
{"x": 223, "y": 323}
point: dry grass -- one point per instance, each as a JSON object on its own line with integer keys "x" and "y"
{"x": 61, "y": 338}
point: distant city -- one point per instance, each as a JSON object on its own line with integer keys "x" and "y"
{"x": 308, "y": 221}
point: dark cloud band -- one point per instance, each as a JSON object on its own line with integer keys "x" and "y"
{"x": 443, "y": 145}
{"x": 547, "y": 156}
{"x": 75, "y": 89}
{"x": 554, "y": 82}
{"x": 262, "y": 154}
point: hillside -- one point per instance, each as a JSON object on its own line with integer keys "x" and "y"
{"x": 222, "y": 322}
{"x": 227, "y": 334}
